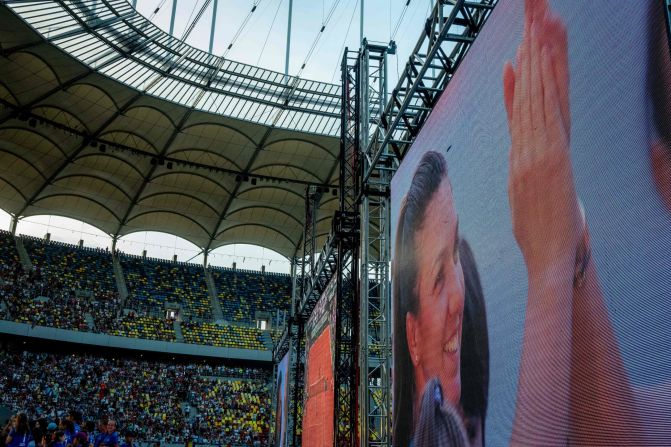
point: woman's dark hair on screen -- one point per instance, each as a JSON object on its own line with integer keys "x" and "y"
{"x": 659, "y": 70}
{"x": 431, "y": 171}
{"x": 439, "y": 424}
{"x": 474, "y": 345}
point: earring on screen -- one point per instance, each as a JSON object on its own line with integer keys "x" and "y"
{"x": 583, "y": 251}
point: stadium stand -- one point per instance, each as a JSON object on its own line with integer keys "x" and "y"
{"x": 77, "y": 268}
{"x": 59, "y": 293}
{"x": 9, "y": 258}
{"x": 229, "y": 336}
{"x": 152, "y": 283}
{"x": 150, "y": 328}
{"x": 242, "y": 293}
{"x": 203, "y": 404}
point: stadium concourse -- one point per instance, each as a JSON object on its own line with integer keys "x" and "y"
{"x": 106, "y": 119}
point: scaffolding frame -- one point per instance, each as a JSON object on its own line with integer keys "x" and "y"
{"x": 377, "y": 129}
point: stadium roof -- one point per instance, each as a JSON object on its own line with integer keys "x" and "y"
{"x": 107, "y": 119}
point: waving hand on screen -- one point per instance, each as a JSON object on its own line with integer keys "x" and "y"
{"x": 572, "y": 385}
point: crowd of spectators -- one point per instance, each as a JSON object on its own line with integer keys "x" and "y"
{"x": 227, "y": 336}
{"x": 243, "y": 293}
{"x": 74, "y": 288}
{"x": 141, "y": 326}
{"x": 158, "y": 401}
{"x": 78, "y": 268}
{"x": 152, "y": 283}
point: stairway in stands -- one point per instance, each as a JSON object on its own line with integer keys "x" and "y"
{"x": 214, "y": 299}
{"x": 23, "y": 254}
{"x": 267, "y": 340}
{"x": 120, "y": 281}
{"x": 179, "y": 337}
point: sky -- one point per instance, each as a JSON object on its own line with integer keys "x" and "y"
{"x": 261, "y": 42}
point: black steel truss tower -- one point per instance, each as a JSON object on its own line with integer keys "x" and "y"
{"x": 346, "y": 228}
{"x": 377, "y": 129}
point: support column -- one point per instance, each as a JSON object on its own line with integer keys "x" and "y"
{"x": 286, "y": 62}
{"x": 172, "y": 16}
{"x": 214, "y": 23}
{"x": 13, "y": 225}
{"x": 375, "y": 304}
{"x": 361, "y": 23}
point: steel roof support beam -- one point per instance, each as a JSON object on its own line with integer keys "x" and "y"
{"x": 451, "y": 28}
{"x": 214, "y": 24}
{"x": 172, "y": 17}
{"x": 288, "y": 51}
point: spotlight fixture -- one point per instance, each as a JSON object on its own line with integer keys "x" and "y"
{"x": 169, "y": 165}
{"x": 253, "y": 181}
{"x": 102, "y": 148}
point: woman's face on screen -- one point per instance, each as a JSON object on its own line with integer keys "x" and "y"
{"x": 440, "y": 287}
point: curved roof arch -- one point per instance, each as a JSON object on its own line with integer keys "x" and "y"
{"x": 222, "y": 126}
{"x": 114, "y": 132}
{"x": 94, "y": 177}
{"x": 154, "y": 227}
{"x": 82, "y": 84}
{"x": 126, "y": 162}
{"x": 287, "y": 165}
{"x": 33, "y": 132}
{"x": 194, "y": 174}
{"x": 152, "y": 108}
{"x": 128, "y": 235}
{"x": 266, "y": 207}
{"x": 301, "y": 140}
{"x": 79, "y": 196}
{"x": 178, "y": 193}
{"x": 22, "y": 219}
{"x": 207, "y": 151}
{"x": 214, "y": 156}
{"x": 24, "y": 159}
{"x": 17, "y": 190}
{"x": 246, "y": 225}
{"x": 61, "y": 110}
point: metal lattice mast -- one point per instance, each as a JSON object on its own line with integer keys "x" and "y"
{"x": 374, "y": 309}
{"x": 449, "y": 32}
{"x": 306, "y": 265}
{"x": 346, "y": 229}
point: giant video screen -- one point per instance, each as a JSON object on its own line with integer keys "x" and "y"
{"x": 318, "y": 429}
{"x": 282, "y": 402}
{"x": 531, "y": 236}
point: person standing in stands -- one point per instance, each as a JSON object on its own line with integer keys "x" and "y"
{"x": 109, "y": 437}
{"x": 59, "y": 440}
{"x": 76, "y": 418}
{"x": 81, "y": 440}
{"x": 129, "y": 439}
{"x": 19, "y": 435}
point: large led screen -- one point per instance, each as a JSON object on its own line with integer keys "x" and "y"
{"x": 282, "y": 402}
{"x": 319, "y": 382}
{"x": 531, "y": 233}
